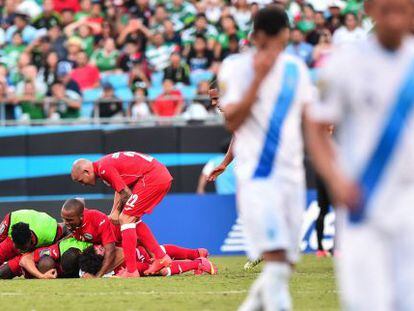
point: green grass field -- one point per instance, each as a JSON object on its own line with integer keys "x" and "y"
{"x": 312, "y": 288}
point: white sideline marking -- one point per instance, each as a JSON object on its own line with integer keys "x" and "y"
{"x": 228, "y": 292}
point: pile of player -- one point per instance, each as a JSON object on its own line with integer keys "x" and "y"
{"x": 89, "y": 243}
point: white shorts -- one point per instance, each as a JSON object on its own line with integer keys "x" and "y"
{"x": 375, "y": 266}
{"x": 271, "y": 213}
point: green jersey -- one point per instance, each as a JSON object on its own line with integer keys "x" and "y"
{"x": 41, "y": 224}
{"x": 65, "y": 244}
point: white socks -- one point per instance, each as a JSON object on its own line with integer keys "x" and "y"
{"x": 270, "y": 292}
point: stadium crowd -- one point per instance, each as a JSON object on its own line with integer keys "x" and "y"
{"x": 65, "y": 59}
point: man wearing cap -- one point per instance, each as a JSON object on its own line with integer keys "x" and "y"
{"x": 63, "y": 75}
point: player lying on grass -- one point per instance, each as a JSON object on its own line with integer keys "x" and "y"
{"x": 140, "y": 183}
{"x": 24, "y": 230}
{"x": 184, "y": 260}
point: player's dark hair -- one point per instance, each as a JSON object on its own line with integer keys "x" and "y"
{"x": 70, "y": 263}
{"x": 21, "y": 234}
{"x": 45, "y": 264}
{"x": 271, "y": 20}
{"x": 90, "y": 261}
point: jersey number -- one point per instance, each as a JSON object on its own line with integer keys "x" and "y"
{"x": 132, "y": 154}
{"x": 132, "y": 200}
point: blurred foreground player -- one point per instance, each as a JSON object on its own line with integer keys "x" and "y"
{"x": 22, "y": 231}
{"x": 263, "y": 95}
{"x": 140, "y": 183}
{"x": 367, "y": 91}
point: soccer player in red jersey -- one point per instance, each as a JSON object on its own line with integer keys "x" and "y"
{"x": 185, "y": 260}
{"x": 90, "y": 226}
{"x": 140, "y": 183}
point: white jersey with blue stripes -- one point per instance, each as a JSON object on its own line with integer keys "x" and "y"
{"x": 269, "y": 143}
{"x": 362, "y": 92}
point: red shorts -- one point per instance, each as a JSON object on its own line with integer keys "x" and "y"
{"x": 145, "y": 197}
{"x": 7, "y": 250}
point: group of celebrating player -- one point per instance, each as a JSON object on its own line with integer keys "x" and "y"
{"x": 90, "y": 244}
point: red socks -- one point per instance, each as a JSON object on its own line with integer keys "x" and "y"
{"x": 181, "y": 266}
{"x": 177, "y": 252}
{"x": 129, "y": 245}
{"x": 148, "y": 240}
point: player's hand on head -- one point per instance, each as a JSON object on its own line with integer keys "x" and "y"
{"x": 216, "y": 172}
{"x": 263, "y": 62}
{"x": 51, "y": 274}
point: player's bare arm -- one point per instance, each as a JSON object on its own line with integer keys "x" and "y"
{"x": 27, "y": 262}
{"x": 109, "y": 256}
{"x": 120, "y": 199}
{"x": 322, "y": 151}
{"x": 228, "y": 158}
{"x": 235, "y": 114}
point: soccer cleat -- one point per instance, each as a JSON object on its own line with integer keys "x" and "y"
{"x": 158, "y": 264}
{"x": 203, "y": 252}
{"x": 321, "y": 254}
{"x": 248, "y": 266}
{"x": 125, "y": 274}
{"x": 205, "y": 266}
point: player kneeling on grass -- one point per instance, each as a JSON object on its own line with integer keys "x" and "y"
{"x": 185, "y": 260}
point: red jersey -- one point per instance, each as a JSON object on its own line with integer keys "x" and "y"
{"x": 166, "y": 105}
{"x": 122, "y": 169}
{"x": 96, "y": 228}
{"x": 52, "y": 251}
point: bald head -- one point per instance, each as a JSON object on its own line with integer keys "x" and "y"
{"x": 45, "y": 264}
{"x": 83, "y": 172}
{"x": 75, "y": 206}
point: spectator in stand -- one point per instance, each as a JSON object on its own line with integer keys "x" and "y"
{"x": 178, "y": 71}
{"x": 61, "y": 5}
{"x": 307, "y": 20}
{"x": 16, "y": 74}
{"x": 30, "y": 73}
{"x": 334, "y": 19}
{"x": 85, "y": 10}
{"x": 73, "y": 47}
{"x": 82, "y": 30}
{"x": 197, "y": 110}
{"x": 48, "y": 70}
{"x": 200, "y": 57}
{"x": 170, "y": 103}
{"x": 67, "y": 17}
{"x": 158, "y": 53}
{"x": 140, "y": 109}
{"x": 48, "y": 18}
{"x": 200, "y": 28}
{"x": 229, "y": 28}
{"x": 31, "y": 102}
{"x": 159, "y": 17}
{"x": 323, "y": 49}
{"x": 106, "y": 58}
{"x": 299, "y": 47}
{"x": 233, "y": 47}
{"x": 109, "y": 105}
{"x": 130, "y": 56}
{"x": 106, "y": 33}
{"x": 21, "y": 25}
{"x": 7, "y": 101}
{"x": 63, "y": 75}
{"x": 135, "y": 31}
{"x": 8, "y": 13}
{"x": 65, "y": 104}
{"x": 138, "y": 78}
{"x": 181, "y": 12}
{"x": 141, "y": 9}
{"x": 12, "y": 52}
{"x": 350, "y": 32}
{"x": 171, "y": 36}
{"x": 39, "y": 49}
{"x": 241, "y": 11}
{"x": 57, "y": 41}
{"x": 85, "y": 74}
{"x": 320, "y": 24}
{"x": 213, "y": 10}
